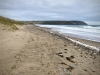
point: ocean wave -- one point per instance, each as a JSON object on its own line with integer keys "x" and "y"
{"x": 82, "y": 31}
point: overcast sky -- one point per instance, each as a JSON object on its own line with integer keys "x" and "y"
{"x": 84, "y": 10}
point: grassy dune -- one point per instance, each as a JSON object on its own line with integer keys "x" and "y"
{"x": 10, "y": 22}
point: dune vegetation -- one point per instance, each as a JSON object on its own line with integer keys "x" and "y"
{"x": 10, "y": 22}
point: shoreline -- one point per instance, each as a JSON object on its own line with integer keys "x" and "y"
{"x": 76, "y": 37}
{"x": 92, "y": 45}
{"x": 88, "y": 42}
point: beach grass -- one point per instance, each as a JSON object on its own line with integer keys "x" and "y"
{"x": 10, "y": 22}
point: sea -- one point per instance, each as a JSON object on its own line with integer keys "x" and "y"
{"x": 88, "y": 32}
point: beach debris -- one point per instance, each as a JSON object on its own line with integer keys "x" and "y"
{"x": 65, "y": 49}
{"x": 84, "y": 69}
{"x": 63, "y": 63}
{"x": 65, "y": 45}
{"x": 72, "y": 56}
{"x": 92, "y": 70}
{"x": 70, "y": 59}
{"x": 64, "y": 69}
{"x": 70, "y": 68}
{"x": 60, "y": 54}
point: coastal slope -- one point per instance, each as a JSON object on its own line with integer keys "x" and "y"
{"x": 9, "y": 23}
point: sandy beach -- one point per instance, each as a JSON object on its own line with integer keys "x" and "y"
{"x": 33, "y": 50}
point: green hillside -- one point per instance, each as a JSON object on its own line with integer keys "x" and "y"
{"x": 10, "y": 22}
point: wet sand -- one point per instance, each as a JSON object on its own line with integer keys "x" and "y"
{"x": 32, "y": 50}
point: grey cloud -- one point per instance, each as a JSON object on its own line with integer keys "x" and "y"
{"x": 86, "y": 10}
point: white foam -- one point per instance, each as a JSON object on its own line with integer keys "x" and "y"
{"x": 77, "y": 42}
{"x": 84, "y": 32}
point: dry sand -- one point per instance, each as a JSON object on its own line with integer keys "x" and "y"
{"x": 33, "y": 51}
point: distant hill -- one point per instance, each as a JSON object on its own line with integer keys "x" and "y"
{"x": 10, "y": 22}
{"x": 58, "y": 22}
